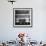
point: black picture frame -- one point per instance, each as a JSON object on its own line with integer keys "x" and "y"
{"x": 22, "y": 17}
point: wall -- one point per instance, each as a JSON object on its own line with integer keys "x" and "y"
{"x": 37, "y": 32}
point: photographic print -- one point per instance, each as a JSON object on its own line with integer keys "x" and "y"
{"x": 22, "y": 17}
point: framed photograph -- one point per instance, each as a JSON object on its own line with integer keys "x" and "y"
{"x": 22, "y": 17}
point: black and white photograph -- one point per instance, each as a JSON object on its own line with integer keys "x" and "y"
{"x": 22, "y": 17}
{"x": 22, "y": 22}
